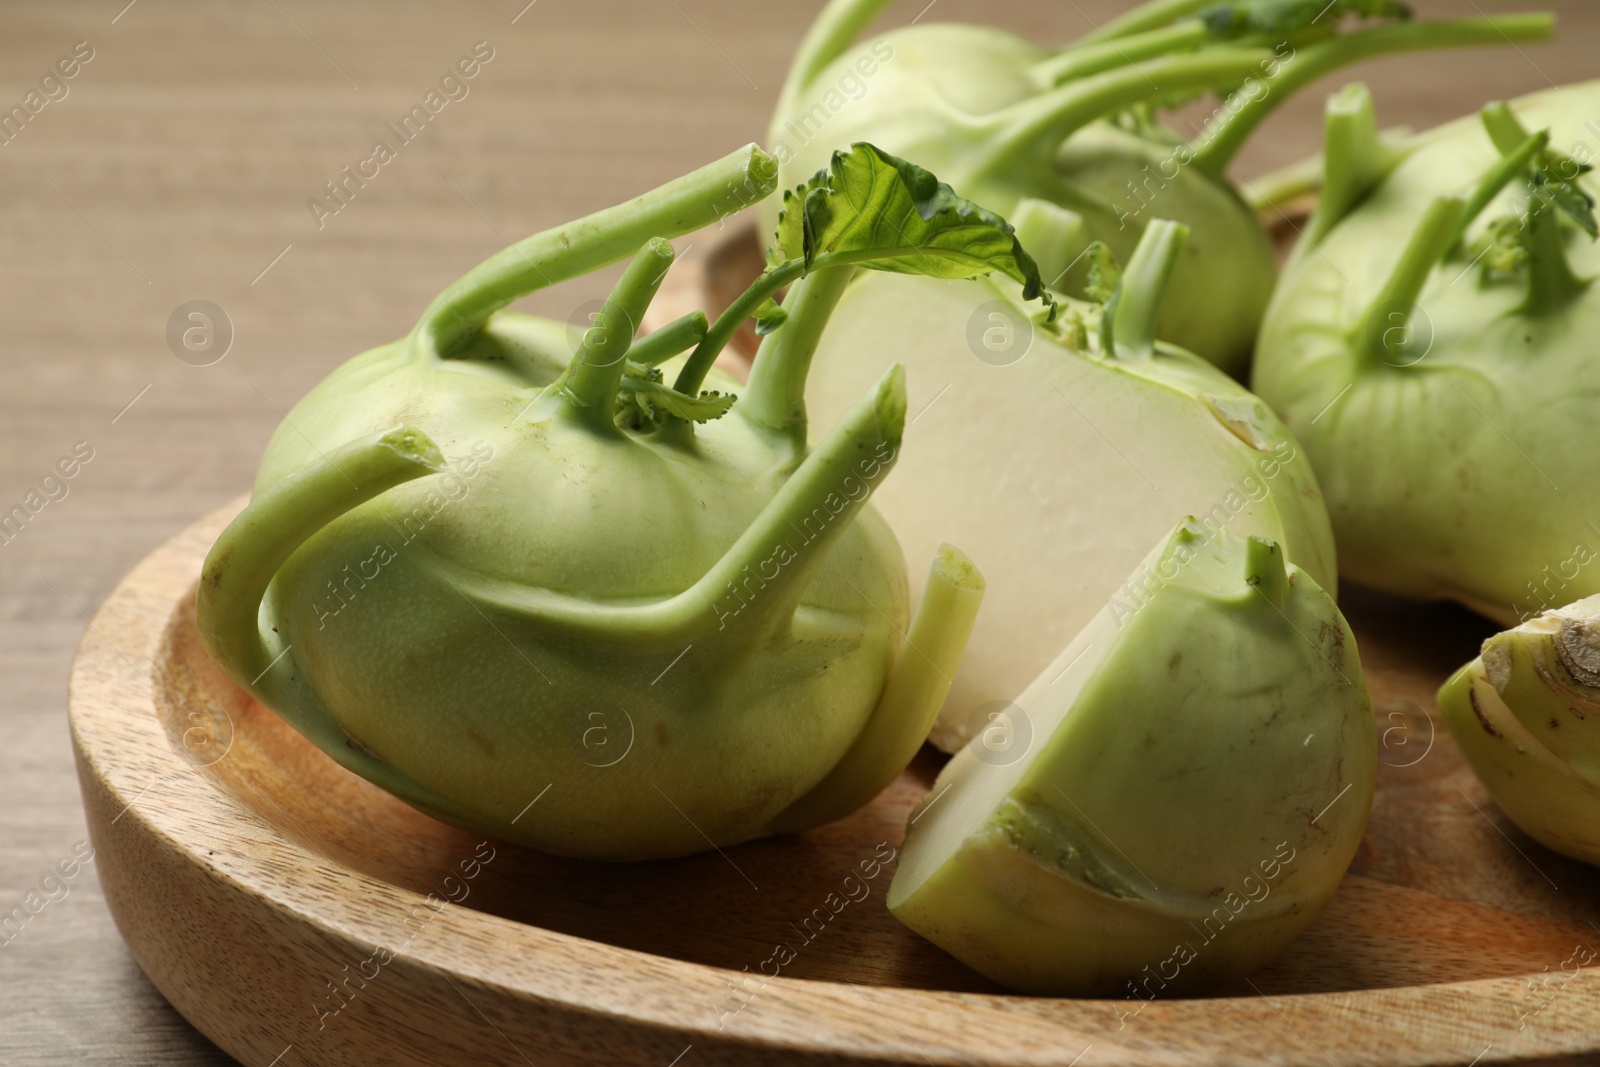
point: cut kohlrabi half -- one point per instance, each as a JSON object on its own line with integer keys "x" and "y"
{"x": 1170, "y": 802}
{"x": 1056, "y": 453}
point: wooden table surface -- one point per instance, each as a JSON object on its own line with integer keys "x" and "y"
{"x": 178, "y": 167}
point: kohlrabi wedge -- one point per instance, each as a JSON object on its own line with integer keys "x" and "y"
{"x": 550, "y": 597}
{"x": 1056, "y": 453}
{"x": 1433, "y": 346}
{"x": 1197, "y": 775}
{"x": 1526, "y": 714}
{"x": 1006, "y": 122}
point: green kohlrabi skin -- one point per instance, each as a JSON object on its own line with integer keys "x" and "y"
{"x": 1004, "y": 121}
{"x": 956, "y": 73}
{"x": 1055, "y": 462}
{"x": 464, "y": 697}
{"x": 1448, "y": 407}
{"x": 1526, "y": 714}
{"x": 539, "y": 594}
{"x": 1170, "y": 803}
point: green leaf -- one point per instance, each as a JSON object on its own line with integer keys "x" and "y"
{"x": 1503, "y": 248}
{"x": 1104, "y": 274}
{"x": 646, "y": 400}
{"x": 1555, "y": 182}
{"x": 1104, "y": 287}
{"x": 646, "y": 371}
{"x": 1533, "y": 241}
{"x": 873, "y": 210}
{"x": 1144, "y": 118}
{"x": 1074, "y": 331}
{"x": 769, "y": 316}
{"x": 1553, "y": 177}
{"x": 790, "y": 241}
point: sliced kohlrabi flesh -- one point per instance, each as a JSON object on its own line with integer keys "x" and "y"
{"x": 1055, "y": 469}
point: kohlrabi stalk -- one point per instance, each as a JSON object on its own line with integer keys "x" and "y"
{"x": 1428, "y": 345}
{"x": 587, "y": 389}
{"x": 820, "y": 243}
{"x": 1356, "y": 159}
{"x": 1005, "y": 121}
{"x": 1226, "y": 134}
{"x": 1176, "y": 796}
{"x": 1526, "y": 714}
{"x": 673, "y": 339}
{"x": 776, "y": 391}
{"x": 915, "y": 692}
{"x": 1153, "y": 15}
{"x": 545, "y": 595}
{"x": 455, "y": 317}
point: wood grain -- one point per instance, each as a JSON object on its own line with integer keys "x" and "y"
{"x": 179, "y": 167}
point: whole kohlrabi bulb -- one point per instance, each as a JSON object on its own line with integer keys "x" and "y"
{"x": 544, "y": 595}
{"x": 1432, "y": 346}
{"x": 1054, "y": 458}
{"x": 1169, "y": 803}
{"x": 1006, "y": 122}
{"x": 1526, "y": 714}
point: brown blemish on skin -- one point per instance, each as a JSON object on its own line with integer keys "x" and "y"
{"x": 213, "y": 572}
{"x": 481, "y": 741}
{"x": 1331, "y": 636}
{"x": 356, "y": 743}
{"x": 1175, "y": 662}
{"x": 1483, "y": 720}
{"x": 662, "y": 736}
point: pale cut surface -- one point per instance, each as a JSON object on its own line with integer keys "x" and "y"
{"x": 1055, "y": 473}
{"x": 969, "y": 790}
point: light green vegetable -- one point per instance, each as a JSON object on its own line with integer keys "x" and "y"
{"x": 1432, "y": 346}
{"x": 1055, "y": 459}
{"x": 1199, "y": 776}
{"x": 1526, "y": 714}
{"x": 558, "y": 601}
{"x": 1005, "y": 121}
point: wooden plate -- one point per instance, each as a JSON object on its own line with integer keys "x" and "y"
{"x": 298, "y": 915}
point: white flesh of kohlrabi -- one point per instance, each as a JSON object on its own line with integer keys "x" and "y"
{"x": 1057, "y": 471}
{"x": 971, "y": 786}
